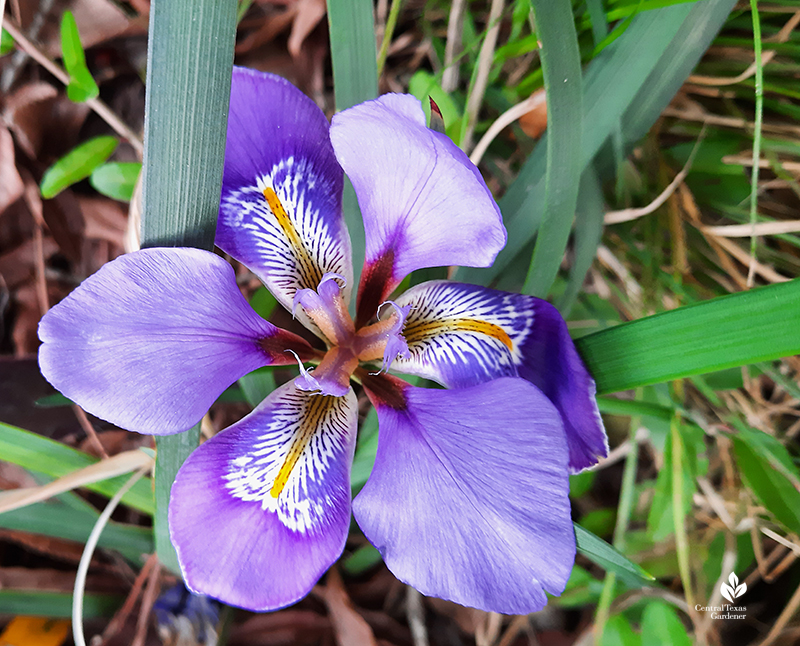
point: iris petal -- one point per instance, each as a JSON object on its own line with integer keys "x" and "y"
{"x": 468, "y": 499}
{"x": 424, "y": 203}
{"x": 261, "y": 510}
{"x": 154, "y": 337}
{"x": 461, "y": 335}
{"x": 281, "y": 207}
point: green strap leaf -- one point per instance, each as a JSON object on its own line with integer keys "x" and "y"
{"x": 355, "y": 75}
{"x": 82, "y": 86}
{"x": 56, "y": 604}
{"x": 561, "y": 64}
{"x": 189, "y": 69}
{"x": 76, "y": 165}
{"x": 601, "y": 553}
{"x": 735, "y": 330}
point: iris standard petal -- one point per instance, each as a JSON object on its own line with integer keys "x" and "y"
{"x": 461, "y": 335}
{"x": 261, "y": 510}
{"x": 281, "y": 207}
{"x": 154, "y": 337}
{"x": 424, "y": 203}
{"x": 468, "y": 498}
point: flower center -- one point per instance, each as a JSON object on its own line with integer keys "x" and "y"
{"x": 347, "y": 346}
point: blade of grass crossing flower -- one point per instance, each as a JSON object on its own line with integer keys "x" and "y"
{"x": 602, "y": 554}
{"x": 561, "y": 63}
{"x": 55, "y": 459}
{"x": 189, "y": 67}
{"x": 355, "y": 76}
{"x": 725, "y": 332}
{"x": 588, "y": 231}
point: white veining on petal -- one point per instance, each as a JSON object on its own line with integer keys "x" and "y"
{"x": 319, "y": 426}
{"x": 474, "y": 356}
{"x": 293, "y": 180}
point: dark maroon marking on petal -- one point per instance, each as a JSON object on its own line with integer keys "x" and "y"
{"x": 276, "y": 347}
{"x": 377, "y": 282}
{"x": 384, "y": 390}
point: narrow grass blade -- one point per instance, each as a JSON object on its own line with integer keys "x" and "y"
{"x": 55, "y": 459}
{"x": 735, "y": 330}
{"x": 189, "y": 68}
{"x": 588, "y": 231}
{"x": 561, "y": 63}
{"x": 355, "y": 76}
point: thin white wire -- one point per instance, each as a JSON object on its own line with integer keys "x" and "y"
{"x": 86, "y": 557}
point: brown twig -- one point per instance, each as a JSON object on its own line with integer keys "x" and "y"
{"x": 148, "y": 599}
{"x": 34, "y": 203}
{"x": 87, "y": 427}
{"x": 95, "y": 104}
{"x": 121, "y": 616}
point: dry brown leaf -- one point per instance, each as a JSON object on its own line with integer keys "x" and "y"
{"x": 534, "y": 122}
{"x": 41, "y": 118}
{"x": 349, "y": 627}
{"x": 26, "y": 321}
{"x": 469, "y": 620}
{"x": 309, "y": 13}
{"x": 295, "y": 627}
{"x": 104, "y": 219}
{"x": 57, "y": 548}
{"x": 65, "y": 221}
{"x": 19, "y": 265}
{"x": 11, "y": 186}
{"x": 41, "y": 579}
{"x": 98, "y": 21}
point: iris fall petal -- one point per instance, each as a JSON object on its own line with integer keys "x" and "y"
{"x": 468, "y": 499}
{"x": 261, "y": 510}
{"x": 153, "y": 338}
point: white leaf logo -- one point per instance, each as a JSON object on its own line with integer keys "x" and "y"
{"x": 733, "y": 590}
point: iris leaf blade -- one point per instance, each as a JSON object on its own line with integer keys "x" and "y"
{"x": 56, "y": 604}
{"x": 189, "y": 69}
{"x": 355, "y": 75}
{"x": 561, "y": 63}
{"x": 725, "y": 332}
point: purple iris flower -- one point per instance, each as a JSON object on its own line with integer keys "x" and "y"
{"x": 468, "y": 498}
